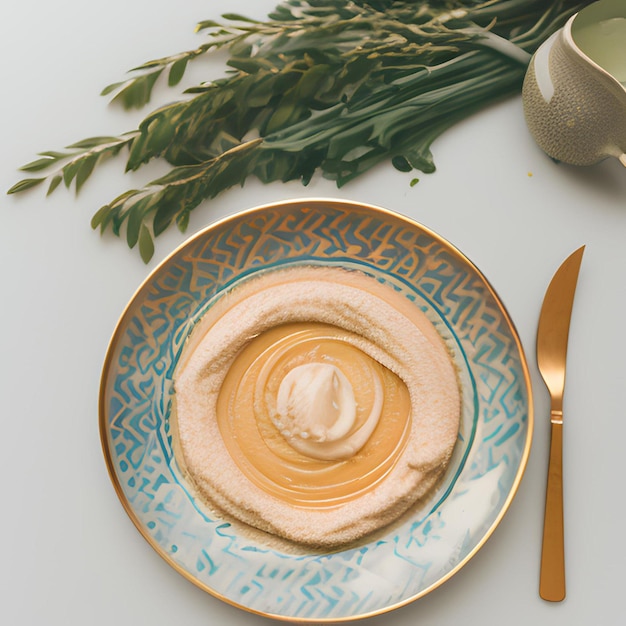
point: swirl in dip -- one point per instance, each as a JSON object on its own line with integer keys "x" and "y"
{"x": 315, "y": 404}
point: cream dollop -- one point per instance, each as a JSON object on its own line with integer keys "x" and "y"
{"x": 316, "y": 412}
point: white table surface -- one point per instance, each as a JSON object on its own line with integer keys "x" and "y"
{"x": 70, "y": 555}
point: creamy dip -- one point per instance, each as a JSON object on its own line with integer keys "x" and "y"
{"x": 315, "y": 404}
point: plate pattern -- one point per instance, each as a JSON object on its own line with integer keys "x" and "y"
{"x": 428, "y": 546}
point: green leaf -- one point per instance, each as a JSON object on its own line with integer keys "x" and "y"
{"x": 207, "y": 24}
{"x": 134, "y": 224}
{"x": 358, "y": 69}
{"x": 137, "y": 155}
{"x": 99, "y": 217}
{"x": 421, "y": 158}
{"x": 55, "y": 155}
{"x": 244, "y": 64}
{"x": 93, "y": 142}
{"x": 312, "y": 80}
{"x": 261, "y": 92}
{"x": 121, "y": 199}
{"x": 176, "y": 72}
{"x": 137, "y": 216}
{"x": 39, "y": 164}
{"x": 111, "y": 88}
{"x": 182, "y": 221}
{"x": 156, "y": 138}
{"x": 286, "y": 114}
{"x": 138, "y": 91}
{"x": 85, "y": 169}
{"x": 25, "y": 184}
{"x": 165, "y": 213}
{"x": 400, "y": 163}
{"x": 110, "y": 213}
{"x": 54, "y": 183}
{"x": 146, "y": 245}
{"x": 235, "y": 17}
{"x": 149, "y": 65}
{"x": 114, "y": 219}
{"x": 70, "y": 171}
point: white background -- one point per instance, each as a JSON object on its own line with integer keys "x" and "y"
{"x": 70, "y": 556}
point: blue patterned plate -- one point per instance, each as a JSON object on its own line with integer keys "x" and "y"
{"x": 414, "y": 556}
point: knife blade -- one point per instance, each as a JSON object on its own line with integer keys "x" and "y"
{"x": 552, "y": 340}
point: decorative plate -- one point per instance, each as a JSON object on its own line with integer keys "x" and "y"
{"x": 427, "y": 546}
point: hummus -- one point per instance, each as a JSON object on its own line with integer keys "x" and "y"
{"x": 315, "y": 404}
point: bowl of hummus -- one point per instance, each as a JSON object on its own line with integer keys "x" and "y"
{"x": 316, "y": 410}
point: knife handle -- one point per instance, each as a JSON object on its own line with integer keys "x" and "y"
{"x": 552, "y": 577}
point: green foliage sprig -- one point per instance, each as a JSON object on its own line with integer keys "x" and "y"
{"x": 330, "y": 86}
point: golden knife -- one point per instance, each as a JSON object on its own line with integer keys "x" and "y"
{"x": 552, "y": 336}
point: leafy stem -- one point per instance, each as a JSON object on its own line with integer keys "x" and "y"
{"x": 172, "y": 197}
{"x": 76, "y": 163}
